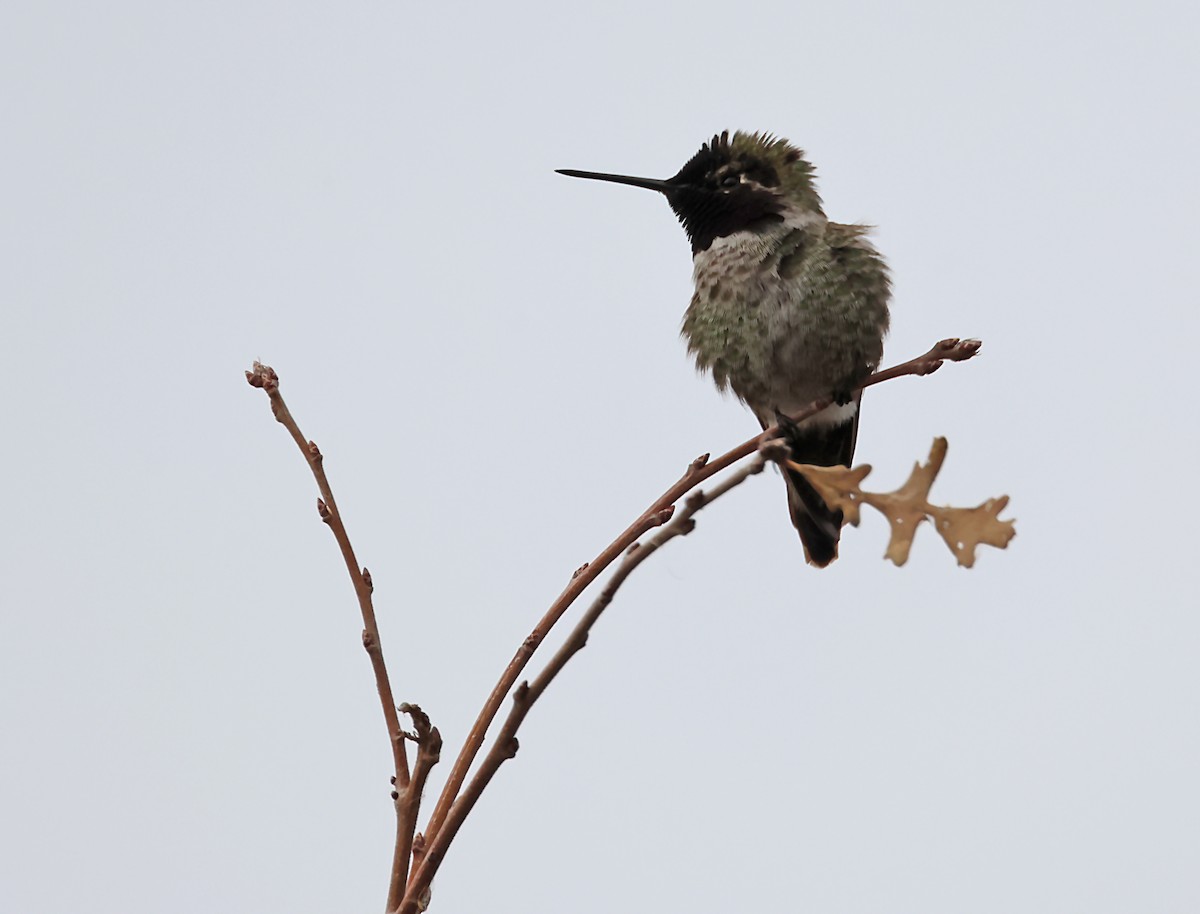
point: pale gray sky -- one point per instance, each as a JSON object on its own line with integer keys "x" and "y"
{"x": 363, "y": 196}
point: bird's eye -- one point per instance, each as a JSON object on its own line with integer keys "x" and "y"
{"x": 731, "y": 181}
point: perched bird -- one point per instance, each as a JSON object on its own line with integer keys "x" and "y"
{"x": 788, "y": 306}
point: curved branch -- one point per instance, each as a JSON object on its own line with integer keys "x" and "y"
{"x": 656, "y": 515}
{"x": 505, "y": 745}
{"x": 265, "y": 378}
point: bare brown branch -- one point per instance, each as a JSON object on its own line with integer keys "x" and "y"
{"x": 427, "y": 850}
{"x": 505, "y": 745}
{"x": 265, "y": 378}
{"x": 948, "y": 350}
{"x": 408, "y": 799}
{"x": 700, "y": 469}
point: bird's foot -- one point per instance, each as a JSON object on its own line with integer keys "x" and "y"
{"x": 843, "y": 396}
{"x": 786, "y": 423}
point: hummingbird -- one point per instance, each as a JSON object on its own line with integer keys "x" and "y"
{"x": 788, "y": 306}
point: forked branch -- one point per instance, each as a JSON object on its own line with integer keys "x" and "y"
{"x": 656, "y": 515}
{"x": 505, "y": 745}
{"x": 428, "y": 850}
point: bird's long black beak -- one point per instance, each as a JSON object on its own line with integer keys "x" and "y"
{"x": 649, "y": 183}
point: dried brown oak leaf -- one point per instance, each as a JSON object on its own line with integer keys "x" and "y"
{"x": 963, "y": 529}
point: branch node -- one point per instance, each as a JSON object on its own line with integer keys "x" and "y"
{"x": 957, "y": 350}
{"x": 263, "y": 377}
{"x": 367, "y": 579}
{"x": 323, "y": 510}
{"x": 455, "y": 801}
{"x": 420, "y": 719}
{"x": 433, "y": 745}
{"x": 425, "y": 735}
{"x": 952, "y": 349}
{"x": 424, "y": 899}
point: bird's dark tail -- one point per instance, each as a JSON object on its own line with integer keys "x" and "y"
{"x": 819, "y": 526}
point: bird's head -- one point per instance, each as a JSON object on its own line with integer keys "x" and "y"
{"x": 734, "y": 183}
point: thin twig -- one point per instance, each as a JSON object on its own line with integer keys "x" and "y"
{"x": 408, "y": 799}
{"x": 427, "y": 850}
{"x": 700, "y": 469}
{"x": 506, "y": 745}
{"x": 264, "y": 377}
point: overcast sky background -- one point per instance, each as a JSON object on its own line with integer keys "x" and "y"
{"x": 363, "y": 196}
